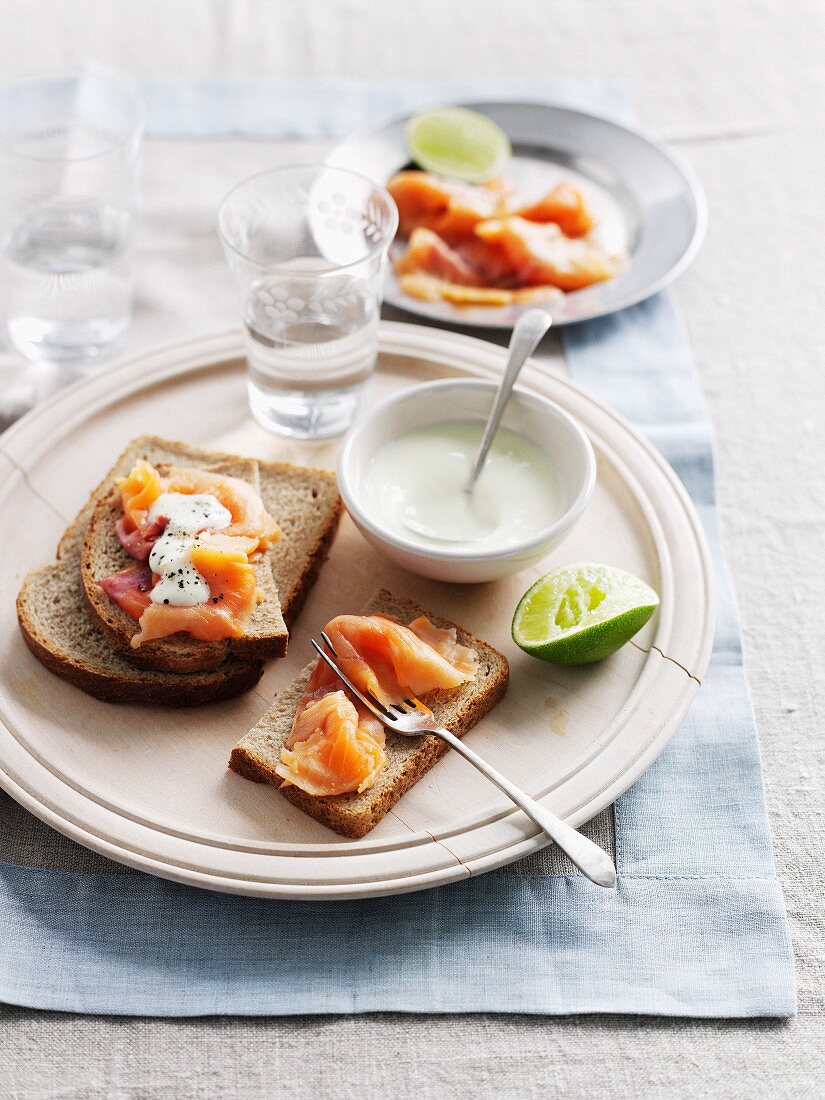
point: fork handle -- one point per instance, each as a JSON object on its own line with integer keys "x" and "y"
{"x": 590, "y": 859}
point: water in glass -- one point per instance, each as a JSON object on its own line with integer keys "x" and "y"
{"x": 307, "y": 247}
{"x": 310, "y": 348}
{"x": 69, "y": 148}
{"x": 68, "y": 279}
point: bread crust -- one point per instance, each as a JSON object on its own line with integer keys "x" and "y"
{"x": 294, "y": 585}
{"x": 297, "y": 596}
{"x": 257, "y": 755}
{"x": 124, "y": 685}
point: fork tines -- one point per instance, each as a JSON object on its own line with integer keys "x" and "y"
{"x": 385, "y": 712}
{"x": 380, "y": 712}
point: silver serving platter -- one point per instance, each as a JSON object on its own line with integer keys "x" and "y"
{"x": 648, "y": 203}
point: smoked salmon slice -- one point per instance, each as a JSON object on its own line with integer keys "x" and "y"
{"x": 138, "y": 492}
{"x": 144, "y": 484}
{"x": 130, "y": 588}
{"x": 336, "y": 746}
{"x": 220, "y": 557}
{"x": 138, "y": 541}
{"x": 391, "y": 661}
{"x": 486, "y": 245}
{"x": 232, "y": 596}
{"x": 428, "y": 254}
{"x": 565, "y": 206}
{"x": 249, "y": 516}
{"x": 448, "y": 207}
{"x": 541, "y": 255}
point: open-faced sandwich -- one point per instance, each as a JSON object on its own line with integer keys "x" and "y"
{"x": 326, "y": 754}
{"x": 180, "y": 575}
{"x": 175, "y": 571}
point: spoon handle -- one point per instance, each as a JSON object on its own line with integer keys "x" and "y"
{"x": 527, "y": 332}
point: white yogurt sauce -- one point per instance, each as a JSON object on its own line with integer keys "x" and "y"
{"x": 414, "y": 487}
{"x": 180, "y": 584}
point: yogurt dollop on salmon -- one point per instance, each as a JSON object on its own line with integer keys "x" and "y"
{"x": 195, "y": 532}
{"x": 336, "y": 746}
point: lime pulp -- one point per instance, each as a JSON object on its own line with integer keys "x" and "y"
{"x": 582, "y": 613}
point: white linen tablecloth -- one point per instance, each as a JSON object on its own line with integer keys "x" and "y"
{"x": 740, "y": 88}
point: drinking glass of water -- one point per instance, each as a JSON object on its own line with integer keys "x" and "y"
{"x": 307, "y": 247}
{"x": 68, "y": 160}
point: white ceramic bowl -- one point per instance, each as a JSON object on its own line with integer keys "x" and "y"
{"x": 537, "y": 419}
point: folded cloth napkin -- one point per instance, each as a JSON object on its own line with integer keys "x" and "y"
{"x": 696, "y": 926}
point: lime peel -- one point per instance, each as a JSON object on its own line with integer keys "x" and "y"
{"x": 582, "y": 613}
{"x": 457, "y": 143}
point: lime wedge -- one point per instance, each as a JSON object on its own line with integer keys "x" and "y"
{"x": 581, "y": 613}
{"x": 457, "y": 143}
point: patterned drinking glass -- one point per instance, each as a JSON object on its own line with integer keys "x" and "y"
{"x": 307, "y": 247}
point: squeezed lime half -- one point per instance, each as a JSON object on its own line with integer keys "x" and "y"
{"x": 582, "y": 613}
{"x": 457, "y": 143}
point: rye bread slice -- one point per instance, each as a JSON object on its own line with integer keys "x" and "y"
{"x": 304, "y": 501}
{"x": 353, "y": 815}
{"x": 265, "y": 634}
{"x": 54, "y": 622}
{"x": 307, "y": 506}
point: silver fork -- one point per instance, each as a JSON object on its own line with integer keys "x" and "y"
{"x": 411, "y": 718}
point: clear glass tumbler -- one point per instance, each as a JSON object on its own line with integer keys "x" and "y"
{"x": 69, "y": 148}
{"x": 307, "y": 247}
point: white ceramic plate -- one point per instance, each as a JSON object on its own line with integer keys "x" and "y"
{"x": 149, "y": 786}
{"x": 647, "y": 202}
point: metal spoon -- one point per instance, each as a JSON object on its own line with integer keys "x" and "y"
{"x": 527, "y": 332}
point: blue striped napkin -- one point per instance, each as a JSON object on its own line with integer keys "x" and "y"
{"x": 697, "y": 924}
